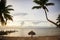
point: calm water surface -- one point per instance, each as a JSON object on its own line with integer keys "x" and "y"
{"x": 39, "y": 31}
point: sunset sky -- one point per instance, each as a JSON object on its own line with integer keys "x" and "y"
{"x": 32, "y": 17}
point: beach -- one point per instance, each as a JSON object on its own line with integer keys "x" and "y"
{"x": 41, "y": 34}
{"x": 34, "y": 38}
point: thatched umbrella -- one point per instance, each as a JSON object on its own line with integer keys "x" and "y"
{"x": 31, "y": 33}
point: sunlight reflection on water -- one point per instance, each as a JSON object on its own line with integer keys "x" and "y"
{"x": 39, "y": 31}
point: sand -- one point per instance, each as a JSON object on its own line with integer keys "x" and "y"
{"x": 29, "y": 38}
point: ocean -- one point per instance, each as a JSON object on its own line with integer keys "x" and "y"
{"x": 23, "y": 32}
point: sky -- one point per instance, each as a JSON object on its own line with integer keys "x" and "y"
{"x": 23, "y": 13}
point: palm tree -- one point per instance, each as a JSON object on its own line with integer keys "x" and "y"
{"x": 43, "y": 4}
{"x": 5, "y": 12}
{"x": 58, "y": 20}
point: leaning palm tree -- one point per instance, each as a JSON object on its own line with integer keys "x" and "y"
{"x": 43, "y": 4}
{"x": 5, "y": 12}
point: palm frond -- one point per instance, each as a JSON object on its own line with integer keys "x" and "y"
{"x": 6, "y": 11}
{"x": 8, "y": 17}
{"x": 40, "y": 2}
{"x": 45, "y": 8}
{"x": 49, "y": 4}
{"x": 36, "y": 1}
{"x": 8, "y": 6}
{"x": 37, "y": 7}
{"x": 58, "y": 19}
{"x": 10, "y": 9}
{"x": 3, "y": 21}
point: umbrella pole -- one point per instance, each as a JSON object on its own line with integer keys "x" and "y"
{"x": 31, "y": 37}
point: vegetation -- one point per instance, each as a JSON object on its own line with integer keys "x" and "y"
{"x": 43, "y": 4}
{"x": 58, "y": 20}
{"x": 5, "y": 12}
{"x": 5, "y": 32}
{"x": 2, "y": 32}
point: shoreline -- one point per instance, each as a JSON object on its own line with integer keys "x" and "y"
{"x": 34, "y": 38}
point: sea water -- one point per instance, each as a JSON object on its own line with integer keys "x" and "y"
{"x": 23, "y": 32}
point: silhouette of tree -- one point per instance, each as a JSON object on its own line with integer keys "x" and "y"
{"x": 43, "y": 4}
{"x": 58, "y": 20}
{"x": 5, "y": 12}
{"x": 31, "y": 33}
{"x": 4, "y": 33}
{"x": 4, "y": 16}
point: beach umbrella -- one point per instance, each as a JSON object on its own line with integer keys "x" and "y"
{"x": 31, "y": 33}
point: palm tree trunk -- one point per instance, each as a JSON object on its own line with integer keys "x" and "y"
{"x": 49, "y": 20}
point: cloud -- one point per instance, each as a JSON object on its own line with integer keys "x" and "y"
{"x": 20, "y": 14}
{"x": 38, "y": 22}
